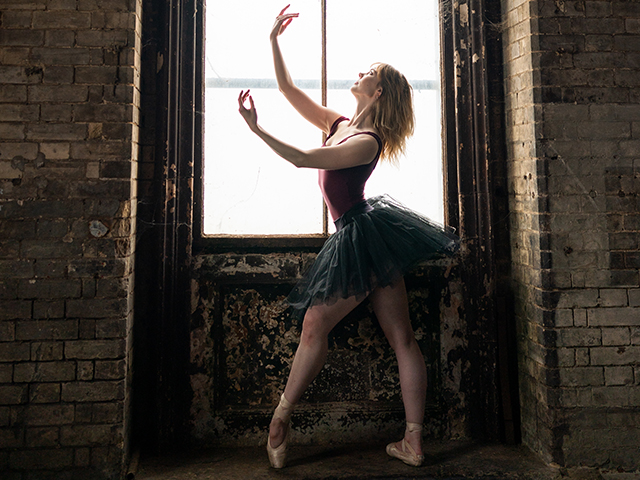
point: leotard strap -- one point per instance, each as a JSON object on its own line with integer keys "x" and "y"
{"x": 334, "y": 128}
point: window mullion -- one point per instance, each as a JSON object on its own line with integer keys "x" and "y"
{"x": 323, "y": 83}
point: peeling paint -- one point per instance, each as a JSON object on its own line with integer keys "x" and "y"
{"x": 243, "y": 340}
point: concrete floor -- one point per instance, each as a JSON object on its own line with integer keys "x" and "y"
{"x": 445, "y": 460}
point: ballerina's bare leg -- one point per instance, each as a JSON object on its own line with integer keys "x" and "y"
{"x": 311, "y": 354}
{"x": 392, "y": 310}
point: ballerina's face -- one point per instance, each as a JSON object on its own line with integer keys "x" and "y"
{"x": 367, "y": 84}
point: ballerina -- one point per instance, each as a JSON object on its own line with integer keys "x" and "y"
{"x": 377, "y": 240}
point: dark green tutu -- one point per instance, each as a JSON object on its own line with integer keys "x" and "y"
{"x": 377, "y": 242}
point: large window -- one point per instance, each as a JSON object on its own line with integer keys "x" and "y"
{"x": 249, "y": 190}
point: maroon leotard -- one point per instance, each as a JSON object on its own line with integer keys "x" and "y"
{"x": 344, "y": 188}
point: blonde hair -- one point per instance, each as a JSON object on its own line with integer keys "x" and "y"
{"x": 393, "y": 112}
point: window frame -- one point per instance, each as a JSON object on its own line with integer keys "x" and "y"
{"x": 204, "y": 244}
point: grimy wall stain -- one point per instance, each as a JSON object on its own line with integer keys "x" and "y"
{"x": 244, "y": 337}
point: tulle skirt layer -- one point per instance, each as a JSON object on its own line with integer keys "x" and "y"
{"x": 377, "y": 242}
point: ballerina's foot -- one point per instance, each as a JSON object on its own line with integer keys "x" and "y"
{"x": 277, "y": 432}
{"x": 404, "y": 451}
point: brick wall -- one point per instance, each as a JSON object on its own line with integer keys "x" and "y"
{"x": 572, "y": 80}
{"x": 68, "y": 130}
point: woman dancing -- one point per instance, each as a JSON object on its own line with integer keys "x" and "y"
{"x": 376, "y": 242}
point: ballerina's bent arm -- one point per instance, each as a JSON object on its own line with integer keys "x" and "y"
{"x": 320, "y": 116}
{"x": 358, "y": 150}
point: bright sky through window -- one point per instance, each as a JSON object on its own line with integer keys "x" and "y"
{"x": 248, "y": 189}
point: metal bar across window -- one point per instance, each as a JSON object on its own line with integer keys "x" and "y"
{"x": 244, "y": 83}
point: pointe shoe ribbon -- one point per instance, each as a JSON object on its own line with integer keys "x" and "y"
{"x": 407, "y": 454}
{"x": 278, "y": 455}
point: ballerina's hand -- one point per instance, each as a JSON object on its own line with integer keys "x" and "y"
{"x": 249, "y": 114}
{"x": 282, "y": 22}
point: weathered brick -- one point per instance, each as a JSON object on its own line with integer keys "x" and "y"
{"x": 103, "y": 38}
{"x": 94, "y": 349}
{"x": 44, "y": 393}
{"x": 15, "y": 309}
{"x": 110, "y": 370}
{"x": 18, "y": 74}
{"x": 11, "y": 437}
{"x": 11, "y": 352}
{"x": 614, "y": 316}
{"x": 102, "y": 391}
{"x": 16, "y": 19}
{"x": 44, "y": 309}
{"x": 581, "y": 376}
{"x": 611, "y": 396}
{"x": 107, "y": 413}
{"x": 54, "y": 458}
{"x": 634, "y": 297}
{"x": 44, "y": 288}
{"x": 63, "y": 131}
{"x": 46, "y": 351}
{"x": 623, "y": 355}
{"x": 42, "y": 249}
{"x": 615, "y": 297}
{"x": 22, "y": 37}
{"x": 618, "y": 375}
{"x": 55, "y": 151}
{"x": 56, "y": 113}
{"x": 54, "y": 19}
{"x": 111, "y": 328}
{"x": 85, "y": 435}
{"x": 6, "y": 374}
{"x": 616, "y": 336}
{"x": 572, "y": 337}
{"x": 97, "y": 308}
{"x": 47, "y": 329}
{"x": 59, "y": 38}
{"x": 582, "y": 357}
{"x": 13, "y": 394}
{"x": 42, "y": 437}
{"x": 7, "y": 331}
{"x": 49, "y": 414}
{"x": 58, "y": 94}
{"x": 85, "y": 370}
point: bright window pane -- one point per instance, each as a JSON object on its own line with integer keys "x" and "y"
{"x": 250, "y": 190}
{"x": 404, "y": 34}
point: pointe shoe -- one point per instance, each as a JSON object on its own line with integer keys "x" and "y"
{"x": 278, "y": 455}
{"x": 407, "y": 454}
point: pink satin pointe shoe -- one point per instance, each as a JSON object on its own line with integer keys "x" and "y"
{"x": 278, "y": 455}
{"x": 407, "y": 454}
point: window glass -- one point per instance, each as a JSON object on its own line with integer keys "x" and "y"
{"x": 404, "y": 34}
{"x": 248, "y": 189}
